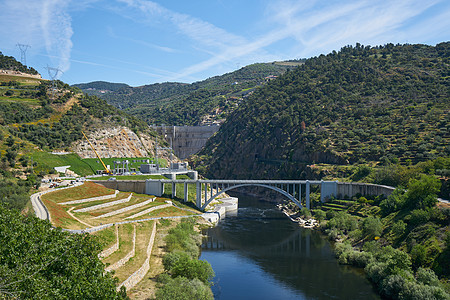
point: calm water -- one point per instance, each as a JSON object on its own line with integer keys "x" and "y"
{"x": 260, "y": 254}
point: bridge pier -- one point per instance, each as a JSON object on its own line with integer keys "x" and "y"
{"x": 307, "y": 200}
{"x": 186, "y": 192}
{"x": 199, "y": 194}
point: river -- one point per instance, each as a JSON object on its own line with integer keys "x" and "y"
{"x": 258, "y": 253}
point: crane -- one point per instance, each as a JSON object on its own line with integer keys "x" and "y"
{"x": 104, "y": 166}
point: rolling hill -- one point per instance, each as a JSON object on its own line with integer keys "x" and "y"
{"x": 374, "y": 105}
{"x": 202, "y": 102}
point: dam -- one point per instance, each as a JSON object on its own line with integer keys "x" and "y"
{"x": 186, "y": 140}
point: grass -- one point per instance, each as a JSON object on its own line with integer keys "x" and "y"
{"x": 28, "y": 101}
{"x": 131, "y": 177}
{"x": 125, "y": 244}
{"x": 168, "y": 212}
{"x": 87, "y": 190}
{"x": 106, "y": 237}
{"x": 47, "y": 162}
{"x": 95, "y": 164}
{"x": 59, "y": 215}
{"x": 22, "y": 80}
{"x": 143, "y": 232}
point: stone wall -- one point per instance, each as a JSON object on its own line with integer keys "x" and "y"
{"x": 104, "y": 204}
{"x": 140, "y": 273}
{"x": 147, "y": 211}
{"x": 126, "y": 258}
{"x": 113, "y": 248}
{"x": 131, "y": 207}
{"x": 91, "y": 199}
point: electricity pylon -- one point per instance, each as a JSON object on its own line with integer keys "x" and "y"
{"x": 23, "y": 49}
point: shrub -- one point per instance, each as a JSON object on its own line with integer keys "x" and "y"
{"x": 418, "y": 217}
{"x": 343, "y": 221}
{"x": 427, "y": 276}
{"x": 171, "y": 258}
{"x": 372, "y": 227}
{"x": 319, "y": 215}
{"x": 394, "y": 202}
{"x": 399, "y": 228}
{"x": 192, "y": 268}
{"x": 183, "y": 288}
{"x": 422, "y": 193}
{"x": 418, "y": 255}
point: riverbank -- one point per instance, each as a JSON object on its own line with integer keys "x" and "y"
{"x": 298, "y": 217}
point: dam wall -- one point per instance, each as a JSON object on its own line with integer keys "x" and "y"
{"x": 186, "y": 140}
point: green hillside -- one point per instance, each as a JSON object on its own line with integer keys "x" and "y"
{"x": 376, "y": 105}
{"x": 10, "y": 63}
{"x": 36, "y": 119}
{"x": 173, "y": 103}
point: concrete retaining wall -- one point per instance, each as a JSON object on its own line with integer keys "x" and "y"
{"x": 119, "y": 211}
{"x": 137, "y": 186}
{"x": 140, "y": 273}
{"x": 351, "y": 189}
{"x": 147, "y": 211}
{"x": 91, "y": 199}
{"x": 113, "y": 248}
{"x": 104, "y": 204}
{"x": 126, "y": 258}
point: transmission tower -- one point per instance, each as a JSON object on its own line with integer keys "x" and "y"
{"x": 23, "y": 55}
{"x": 53, "y": 74}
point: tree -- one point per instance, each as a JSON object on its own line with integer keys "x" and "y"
{"x": 422, "y": 192}
{"x": 372, "y": 227}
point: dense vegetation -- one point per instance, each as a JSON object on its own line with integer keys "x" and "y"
{"x": 403, "y": 242}
{"x": 39, "y": 262}
{"x": 10, "y": 63}
{"x": 174, "y": 103}
{"x": 384, "y": 104}
{"x": 186, "y": 277}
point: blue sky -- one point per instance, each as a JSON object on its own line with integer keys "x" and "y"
{"x": 141, "y": 42}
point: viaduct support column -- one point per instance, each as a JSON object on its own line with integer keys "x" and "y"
{"x": 174, "y": 189}
{"x": 186, "y": 198}
{"x": 198, "y": 194}
{"x": 308, "y": 205}
{"x": 206, "y": 192}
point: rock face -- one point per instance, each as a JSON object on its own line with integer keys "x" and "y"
{"x": 118, "y": 142}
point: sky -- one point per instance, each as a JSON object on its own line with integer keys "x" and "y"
{"x": 140, "y": 42}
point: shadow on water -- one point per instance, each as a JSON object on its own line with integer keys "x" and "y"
{"x": 260, "y": 254}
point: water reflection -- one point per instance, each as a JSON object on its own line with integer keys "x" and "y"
{"x": 260, "y": 254}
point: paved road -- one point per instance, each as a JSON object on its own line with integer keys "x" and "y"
{"x": 39, "y": 207}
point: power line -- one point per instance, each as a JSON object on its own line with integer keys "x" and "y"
{"x": 23, "y": 49}
{"x": 53, "y": 74}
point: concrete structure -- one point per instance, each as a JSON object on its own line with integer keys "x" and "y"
{"x": 298, "y": 191}
{"x": 186, "y": 140}
{"x": 148, "y": 168}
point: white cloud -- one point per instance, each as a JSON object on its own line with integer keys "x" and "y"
{"x": 43, "y": 24}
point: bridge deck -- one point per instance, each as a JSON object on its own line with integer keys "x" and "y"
{"x": 239, "y": 181}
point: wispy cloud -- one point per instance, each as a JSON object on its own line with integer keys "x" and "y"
{"x": 319, "y": 27}
{"x": 140, "y": 42}
{"x": 44, "y": 24}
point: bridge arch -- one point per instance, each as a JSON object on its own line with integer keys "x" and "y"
{"x": 274, "y": 188}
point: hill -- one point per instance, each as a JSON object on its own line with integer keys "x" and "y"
{"x": 375, "y": 105}
{"x": 202, "y": 102}
{"x": 37, "y": 118}
{"x": 10, "y": 63}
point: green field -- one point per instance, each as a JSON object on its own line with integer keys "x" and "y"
{"x": 35, "y": 102}
{"x": 47, "y": 161}
{"x": 83, "y": 167}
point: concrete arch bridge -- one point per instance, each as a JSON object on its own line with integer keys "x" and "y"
{"x": 208, "y": 190}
